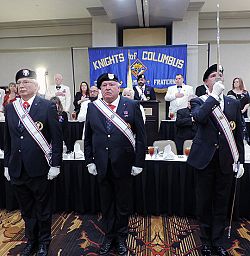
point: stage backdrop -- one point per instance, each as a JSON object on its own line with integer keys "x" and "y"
{"x": 160, "y": 64}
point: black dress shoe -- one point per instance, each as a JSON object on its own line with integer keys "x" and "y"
{"x": 29, "y": 249}
{"x": 206, "y": 250}
{"x": 121, "y": 247}
{"x": 43, "y": 250}
{"x": 106, "y": 246}
{"x": 220, "y": 251}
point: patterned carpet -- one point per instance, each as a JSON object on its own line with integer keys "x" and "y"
{"x": 75, "y": 235}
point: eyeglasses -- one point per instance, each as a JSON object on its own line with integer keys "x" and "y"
{"x": 24, "y": 82}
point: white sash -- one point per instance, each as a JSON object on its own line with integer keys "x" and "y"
{"x": 31, "y": 127}
{"x": 116, "y": 120}
{"x": 225, "y": 126}
{"x": 141, "y": 94}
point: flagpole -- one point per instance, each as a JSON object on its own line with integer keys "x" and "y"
{"x": 218, "y": 40}
{"x": 129, "y": 75}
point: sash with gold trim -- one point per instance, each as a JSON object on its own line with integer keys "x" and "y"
{"x": 226, "y": 128}
{"x": 116, "y": 120}
{"x": 32, "y": 129}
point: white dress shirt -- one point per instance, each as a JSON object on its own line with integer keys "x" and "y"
{"x": 178, "y": 103}
{"x": 63, "y": 94}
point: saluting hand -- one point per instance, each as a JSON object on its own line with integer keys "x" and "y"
{"x": 218, "y": 88}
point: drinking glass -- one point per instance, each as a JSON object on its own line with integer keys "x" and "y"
{"x": 156, "y": 152}
{"x": 171, "y": 115}
{"x": 151, "y": 151}
{"x": 187, "y": 151}
{"x": 73, "y": 115}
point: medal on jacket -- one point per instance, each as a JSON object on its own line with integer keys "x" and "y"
{"x": 39, "y": 125}
{"x": 232, "y": 125}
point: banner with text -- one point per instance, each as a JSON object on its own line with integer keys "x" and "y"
{"x": 160, "y": 64}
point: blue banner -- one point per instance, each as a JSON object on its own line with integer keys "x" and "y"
{"x": 160, "y": 64}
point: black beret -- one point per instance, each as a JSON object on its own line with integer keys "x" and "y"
{"x": 140, "y": 76}
{"x": 210, "y": 70}
{"x": 25, "y": 73}
{"x": 106, "y": 77}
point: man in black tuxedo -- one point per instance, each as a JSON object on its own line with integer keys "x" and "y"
{"x": 201, "y": 90}
{"x": 211, "y": 155}
{"x": 143, "y": 91}
{"x": 114, "y": 155}
{"x": 27, "y": 167}
{"x": 186, "y": 126}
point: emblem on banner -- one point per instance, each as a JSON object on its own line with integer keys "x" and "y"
{"x": 138, "y": 68}
{"x": 39, "y": 125}
{"x": 232, "y": 125}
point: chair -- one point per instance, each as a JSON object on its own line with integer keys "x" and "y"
{"x": 161, "y": 144}
{"x": 81, "y": 143}
{"x": 187, "y": 144}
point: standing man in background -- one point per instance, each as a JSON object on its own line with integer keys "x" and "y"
{"x": 178, "y": 94}
{"x": 32, "y": 158}
{"x": 201, "y": 90}
{"x": 142, "y": 91}
{"x": 114, "y": 149}
{"x": 61, "y": 91}
{"x": 217, "y": 153}
{"x": 185, "y": 126}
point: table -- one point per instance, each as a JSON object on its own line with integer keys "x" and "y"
{"x": 167, "y": 130}
{"x": 75, "y": 133}
{"x": 164, "y": 187}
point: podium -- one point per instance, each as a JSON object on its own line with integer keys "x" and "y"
{"x": 151, "y": 108}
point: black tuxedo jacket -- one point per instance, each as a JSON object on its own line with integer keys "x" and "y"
{"x": 209, "y": 135}
{"x": 186, "y": 129}
{"x": 20, "y": 148}
{"x": 200, "y": 90}
{"x": 101, "y": 145}
{"x": 149, "y": 93}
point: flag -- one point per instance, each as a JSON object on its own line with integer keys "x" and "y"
{"x": 129, "y": 75}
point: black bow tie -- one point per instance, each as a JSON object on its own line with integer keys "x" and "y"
{"x": 58, "y": 87}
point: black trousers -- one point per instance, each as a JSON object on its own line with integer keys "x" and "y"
{"x": 212, "y": 195}
{"x": 116, "y": 204}
{"x": 34, "y": 198}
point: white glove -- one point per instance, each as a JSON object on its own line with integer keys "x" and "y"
{"x": 136, "y": 170}
{"x": 92, "y": 169}
{"x": 218, "y": 88}
{"x": 53, "y": 172}
{"x": 143, "y": 97}
{"x": 6, "y": 173}
{"x": 240, "y": 171}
